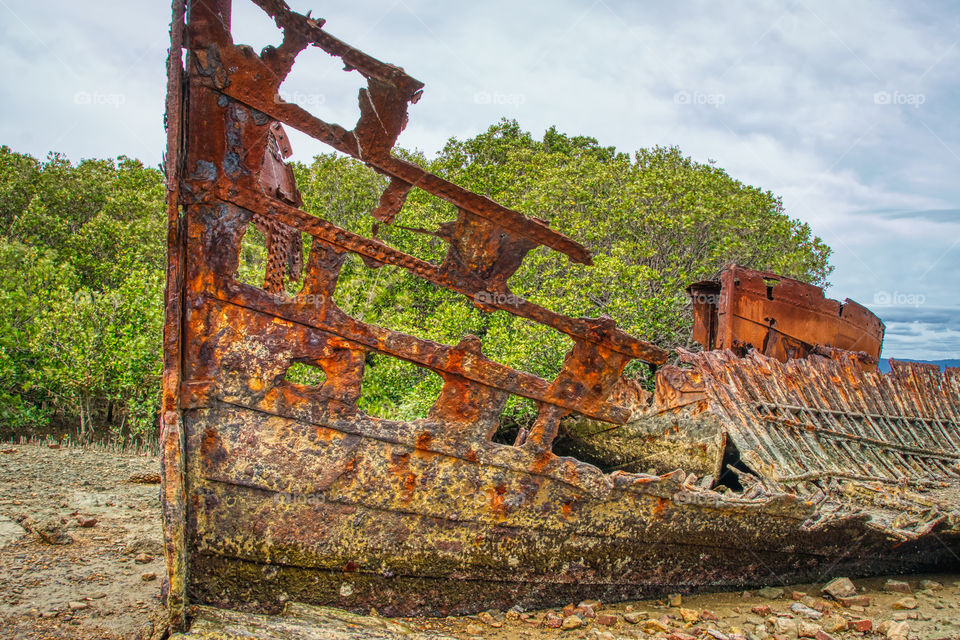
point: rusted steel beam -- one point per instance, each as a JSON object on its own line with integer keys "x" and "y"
{"x": 238, "y": 73}
{"x": 171, "y": 426}
{"x": 473, "y": 288}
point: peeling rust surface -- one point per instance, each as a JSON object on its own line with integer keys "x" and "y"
{"x": 276, "y": 491}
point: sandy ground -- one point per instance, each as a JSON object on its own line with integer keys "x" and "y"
{"x": 104, "y": 582}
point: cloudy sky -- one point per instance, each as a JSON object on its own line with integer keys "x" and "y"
{"x": 845, "y": 109}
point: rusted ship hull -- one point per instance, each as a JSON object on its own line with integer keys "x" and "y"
{"x": 277, "y": 492}
{"x": 371, "y": 518}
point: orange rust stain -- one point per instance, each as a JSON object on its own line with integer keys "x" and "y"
{"x": 424, "y": 440}
{"x": 660, "y": 507}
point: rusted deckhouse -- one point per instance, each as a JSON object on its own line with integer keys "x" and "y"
{"x": 276, "y": 492}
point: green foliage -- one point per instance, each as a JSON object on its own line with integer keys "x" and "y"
{"x": 81, "y": 283}
{"x": 82, "y": 254}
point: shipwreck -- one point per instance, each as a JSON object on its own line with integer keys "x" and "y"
{"x": 778, "y": 452}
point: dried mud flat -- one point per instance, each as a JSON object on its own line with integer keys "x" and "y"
{"x": 104, "y": 581}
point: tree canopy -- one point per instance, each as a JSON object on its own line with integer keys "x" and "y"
{"x": 82, "y": 253}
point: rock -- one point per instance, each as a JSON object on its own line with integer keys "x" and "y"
{"x": 863, "y": 626}
{"x": 569, "y": 609}
{"x": 819, "y": 604}
{"x": 655, "y": 625}
{"x": 930, "y": 585}
{"x": 606, "y": 619}
{"x": 807, "y": 629}
{"x": 78, "y": 606}
{"x": 905, "y": 603}
{"x": 51, "y": 531}
{"x": 897, "y": 586}
{"x": 144, "y": 478}
{"x": 99, "y": 595}
{"x": 898, "y": 631}
{"x": 834, "y": 624}
{"x": 474, "y": 630}
{"x": 839, "y": 588}
{"x": 770, "y": 593}
{"x": 602, "y": 635}
{"x": 572, "y": 622}
{"x": 487, "y": 618}
{"x": 689, "y": 615}
{"x": 805, "y": 611}
{"x": 585, "y": 611}
{"x": 635, "y": 617}
{"x": 675, "y": 599}
{"x": 85, "y": 522}
{"x": 706, "y": 614}
{"x": 679, "y": 635}
{"x": 796, "y": 595}
{"x": 553, "y": 621}
{"x": 596, "y": 605}
{"x": 823, "y": 635}
{"x": 858, "y": 601}
{"x": 143, "y": 558}
{"x": 147, "y": 577}
{"x": 717, "y": 634}
{"x": 762, "y": 610}
{"x": 54, "y": 445}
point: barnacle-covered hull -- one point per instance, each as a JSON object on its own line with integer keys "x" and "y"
{"x": 400, "y": 518}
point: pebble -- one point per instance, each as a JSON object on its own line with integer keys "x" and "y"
{"x": 85, "y": 522}
{"x": 689, "y": 615}
{"x": 807, "y": 629}
{"x": 804, "y": 610}
{"x": 839, "y": 588}
{"x": 635, "y": 617}
{"x": 898, "y": 631}
{"x": 572, "y": 622}
{"x": 930, "y": 585}
{"x": 474, "y": 630}
{"x": 553, "y": 621}
{"x": 675, "y": 599}
{"x": 896, "y": 586}
{"x": 488, "y": 619}
{"x": 606, "y": 619}
{"x": 859, "y": 601}
{"x": 905, "y": 603}
{"x": 147, "y": 577}
{"x": 78, "y": 606}
{"x": 770, "y": 593}
{"x": 143, "y": 558}
{"x": 862, "y": 626}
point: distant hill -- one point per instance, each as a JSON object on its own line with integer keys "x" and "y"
{"x": 885, "y": 363}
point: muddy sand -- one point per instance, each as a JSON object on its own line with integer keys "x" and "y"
{"x": 81, "y": 558}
